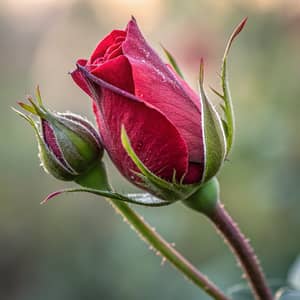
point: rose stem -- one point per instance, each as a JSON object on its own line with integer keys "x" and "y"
{"x": 148, "y": 234}
{"x": 95, "y": 180}
{"x": 242, "y": 250}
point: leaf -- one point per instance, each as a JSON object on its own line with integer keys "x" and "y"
{"x": 144, "y": 199}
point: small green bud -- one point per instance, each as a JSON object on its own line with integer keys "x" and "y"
{"x": 68, "y": 144}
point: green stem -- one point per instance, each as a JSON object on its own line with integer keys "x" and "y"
{"x": 95, "y": 179}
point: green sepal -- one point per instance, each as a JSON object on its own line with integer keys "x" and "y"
{"x": 95, "y": 181}
{"x": 225, "y": 127}
{"x": 146, "y": 201}
{"x": 205, "y": 199}
{"x": 28, "y": 108}
{"x": 226, "y": 96}
{"x": 169, "y": 191}
{"x": 213, "y": 134}
{"x": 172, "y": 62}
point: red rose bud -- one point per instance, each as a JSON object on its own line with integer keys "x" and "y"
{"x": 171, "y": 135}
{"x": 68, "y": 144}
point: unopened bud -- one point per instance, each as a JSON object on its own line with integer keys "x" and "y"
{"x": 68, "y": 144}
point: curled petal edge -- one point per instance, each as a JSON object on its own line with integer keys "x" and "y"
{"x": 106, "y": 85}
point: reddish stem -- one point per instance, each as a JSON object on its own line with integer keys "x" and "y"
{"x": 242, "y": 250}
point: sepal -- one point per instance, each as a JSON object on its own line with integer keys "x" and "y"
{"x": 168, "y": 191}
{"x": 213, "y": 133}
{"x": 172, "y": 61}
{"x": 95, "y": 181}
{"x": 140, "y": 199}
{"x": 227, "y": 106}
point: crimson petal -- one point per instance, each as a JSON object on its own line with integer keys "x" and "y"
{"x": 110, "y": 39}
{"x": 154, "y": 138}
{"x": 159, "y": 86}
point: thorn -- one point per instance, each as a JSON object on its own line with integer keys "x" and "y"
{"x": 163, "y": 260}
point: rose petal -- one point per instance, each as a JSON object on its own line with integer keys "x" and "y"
{"x": 159, "y": 86}
{"x": 116, "y": 72}
{"x": 51, "y": 142}
{"x": 79, "y": 79}
{"x": 113, "y": 37}
{"x": 194, "y": 173}
{"x": 138, "y": 90}
{"x": 95, "y": 84}
{"x": 155, "y": 140}
{"x": 113, "y": 51}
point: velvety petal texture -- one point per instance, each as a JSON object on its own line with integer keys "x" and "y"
{"x": 132, "y": 86}
{"x": 157, "y": 84}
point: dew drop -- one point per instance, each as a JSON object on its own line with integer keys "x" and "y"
{"x": 139, "y": 146}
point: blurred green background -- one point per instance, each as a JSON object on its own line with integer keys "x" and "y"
{"x": 76, "y": 247}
